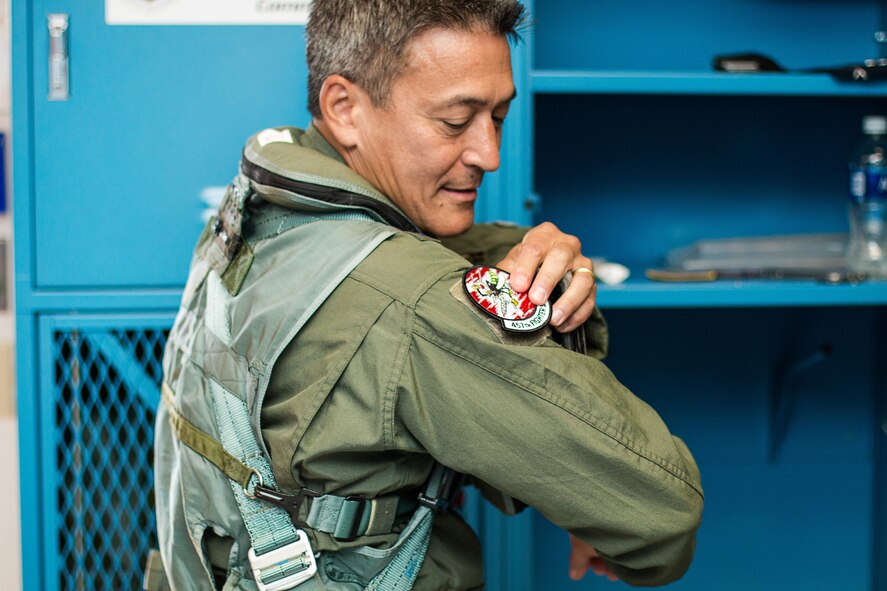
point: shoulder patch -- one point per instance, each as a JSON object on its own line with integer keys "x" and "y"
{"x": 488, "y": 288}
{"x": 520, "y": 339}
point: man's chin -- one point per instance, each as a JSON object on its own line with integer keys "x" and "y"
{"x": 453, "y": 225}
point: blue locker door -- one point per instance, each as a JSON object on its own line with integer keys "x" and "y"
{"x": 156, "y": 114}
{"x": 100, "y": 386}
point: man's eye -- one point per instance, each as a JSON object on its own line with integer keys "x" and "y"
{"x": 456, "y": 125}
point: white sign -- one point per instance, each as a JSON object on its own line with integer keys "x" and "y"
{"x": 206, "y": 12}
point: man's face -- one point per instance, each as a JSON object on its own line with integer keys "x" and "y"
{"x": 429, "y": 147}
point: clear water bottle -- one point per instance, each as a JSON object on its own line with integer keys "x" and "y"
{"x": 867, "y": 246}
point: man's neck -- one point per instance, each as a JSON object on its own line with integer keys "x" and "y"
{"x": 336, "y": 150}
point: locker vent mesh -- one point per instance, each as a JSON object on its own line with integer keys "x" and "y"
{"x": 104, "y": 455}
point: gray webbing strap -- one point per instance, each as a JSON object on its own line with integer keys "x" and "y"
{"x": 281, "y": 556}
{"x": 400, "y": 574}
{"x": 349, "y": 517}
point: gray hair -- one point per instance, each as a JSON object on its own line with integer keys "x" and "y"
{"x": 366, "y": 40}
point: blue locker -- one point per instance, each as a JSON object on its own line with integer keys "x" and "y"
{"x": 621, "y": 134}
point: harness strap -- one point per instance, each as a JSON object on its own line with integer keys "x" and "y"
{"x": 328, "y": 513}
{"x": 204, "y": 444}
{"x": 347, "y": 518}
{"x": 281, "y": 556}
{"x": 342, "y": 517}
{"x": 401, "y": 572}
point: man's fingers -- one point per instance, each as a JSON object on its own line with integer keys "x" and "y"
{"x": 601, "y": 569}
{"x": 522, "y": 263}
{"x": 581, "y": 313}
{"x": 540, "y": 262}
{"x": 553, "y": 269}
{"x": 579, "y": 297}
{"x": 544, "y": 250}
{"x": 597, "y": 566}
{"x": 583, "y": 557}
{"x": 580, "y": 555}
{"x": 578, "y": 566}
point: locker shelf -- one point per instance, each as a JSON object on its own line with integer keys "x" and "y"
{"x": 639, "y": 292}
{"x": 696, "y": 83}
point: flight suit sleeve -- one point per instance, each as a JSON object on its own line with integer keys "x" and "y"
{"x": 487, "y": 244}
{"x": 553, "y": 429}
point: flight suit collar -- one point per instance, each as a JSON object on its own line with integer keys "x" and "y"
{"x": 314, "y": 140}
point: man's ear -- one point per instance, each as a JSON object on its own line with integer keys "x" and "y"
{"x": 340, "y": 101}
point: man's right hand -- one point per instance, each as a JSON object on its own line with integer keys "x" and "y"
{"x": 584, "y": 557}
{"x": 538, "y": 264}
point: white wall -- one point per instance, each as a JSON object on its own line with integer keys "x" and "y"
{"x": 10, "y": 542}
{"x": 7, "y": 317}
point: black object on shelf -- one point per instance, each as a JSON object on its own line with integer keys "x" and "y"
{"x": 745, "y": 63}
{"x": 870, "y": 70}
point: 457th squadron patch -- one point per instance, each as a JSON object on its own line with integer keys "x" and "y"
{"x": 488, "y": 288}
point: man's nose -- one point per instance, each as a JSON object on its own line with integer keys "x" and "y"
{"x": 482, "y": 146}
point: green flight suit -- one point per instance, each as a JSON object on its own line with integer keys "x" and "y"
{"x": 405, "y": 372}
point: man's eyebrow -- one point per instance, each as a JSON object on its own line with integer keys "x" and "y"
{"x": 470, "y": 101}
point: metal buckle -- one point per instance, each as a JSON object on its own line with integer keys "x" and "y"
{"x": 300, "y": 549}
{"x": 261, "y": 483}
{"x": 355, "y": 527}
{"x": 447, "y": 491}
{"x": 435, "y": 504}
{"x": 289, "y": 503}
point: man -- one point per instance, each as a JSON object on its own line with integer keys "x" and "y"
{"x": 321, "y": 313}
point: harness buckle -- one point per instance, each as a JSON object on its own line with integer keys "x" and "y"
{"x": 300, "y": 551}
{"x": 290, "y": 503}
{"x": 351, "y": 535}
{"x": 447, "y": 492}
